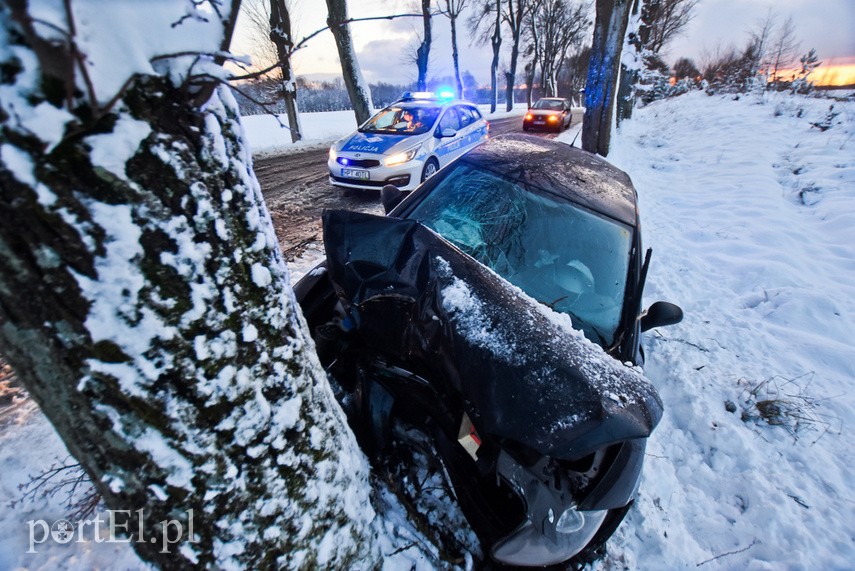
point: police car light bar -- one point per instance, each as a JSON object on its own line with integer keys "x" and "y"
{"x": 418, "y": 95}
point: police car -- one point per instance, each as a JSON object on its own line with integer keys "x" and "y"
{"x": 407, "y": 142}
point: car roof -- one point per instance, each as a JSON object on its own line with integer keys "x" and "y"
{"x": 558, "y": 168}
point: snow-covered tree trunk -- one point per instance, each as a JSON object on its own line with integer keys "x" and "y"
{"x": 609, "y": 30}
{"x": 282, "y": 37}
{"x": 631, "y": 62}
{"x": 357, "y": 88}
{"x": 147, "y": 309}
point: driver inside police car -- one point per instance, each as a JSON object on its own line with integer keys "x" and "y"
{"x": 412, "y": 122}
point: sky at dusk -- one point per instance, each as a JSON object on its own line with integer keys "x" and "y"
{"x": 826, "y": 25}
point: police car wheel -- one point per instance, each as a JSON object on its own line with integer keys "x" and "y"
{"x": 430, "y": 169}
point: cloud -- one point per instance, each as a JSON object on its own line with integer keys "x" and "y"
{"x": 826, "y": 26}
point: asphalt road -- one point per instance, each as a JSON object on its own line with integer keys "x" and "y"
{"x": 296, "y": 189}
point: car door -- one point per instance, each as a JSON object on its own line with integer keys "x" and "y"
{"x": 473, "y": 126}
{"x": 449, "y": 147}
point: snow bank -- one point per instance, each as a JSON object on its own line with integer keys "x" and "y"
{"x": 749, "y": 210}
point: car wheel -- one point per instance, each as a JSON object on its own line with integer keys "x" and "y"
{"x": 430, "y": 169}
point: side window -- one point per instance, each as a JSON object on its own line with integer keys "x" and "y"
{"x": 466, "y": 117}
{"x": 449, "y": 120}
{"x": 475, "y": 113}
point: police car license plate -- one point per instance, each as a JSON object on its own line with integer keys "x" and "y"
{"x": 354, "y": 173}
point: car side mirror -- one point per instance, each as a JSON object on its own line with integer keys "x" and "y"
{"x": 390, "y": 196}
{"x": 661, "y": 314}
{"x": 446, "y": 133}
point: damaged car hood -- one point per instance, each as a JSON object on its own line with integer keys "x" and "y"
{"x": 524, "y": 374}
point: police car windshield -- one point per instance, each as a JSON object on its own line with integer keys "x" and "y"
{"x": 402, "y": 120}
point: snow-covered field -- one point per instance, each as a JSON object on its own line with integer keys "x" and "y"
{"x": 751, "y": 214}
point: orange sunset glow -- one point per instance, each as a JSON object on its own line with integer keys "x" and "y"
{"x": 839, "y": 71}
{"x": 834, "y": 74}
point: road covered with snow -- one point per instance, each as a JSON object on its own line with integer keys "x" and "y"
{"x": 749, "y": 209}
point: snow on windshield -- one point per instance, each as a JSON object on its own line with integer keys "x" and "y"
{"x": 485, "y": 326}
{"x": 564, "y": 256}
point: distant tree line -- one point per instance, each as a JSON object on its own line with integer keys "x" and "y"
{"x": 263, "y": 95}
{"x": 770, "y": 59}
{"x": 545, "y": 55}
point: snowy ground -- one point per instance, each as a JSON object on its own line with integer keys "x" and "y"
{"x": 750, "y": 212}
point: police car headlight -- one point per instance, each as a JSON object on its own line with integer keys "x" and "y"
{"x": 333, "y": 154}
{"x": 401, "y": 158}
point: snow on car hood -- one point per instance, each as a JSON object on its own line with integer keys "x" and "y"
{"x": 523, "y": 372}
{"x": 373, "y": 143}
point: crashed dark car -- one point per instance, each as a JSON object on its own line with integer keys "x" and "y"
{"x": 453, "y": 314}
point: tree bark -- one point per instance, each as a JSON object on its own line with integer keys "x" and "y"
{"x": 357, "y": 88}
{"x": 635, "y": 41}
{"x": 423, "y": 51}
{"x": 609, "y": 30}
{"x": 455, "y": 57}
{"x": 280, "y": 34}
{"x": 529, "y": 88}
{"x": 145, "y": 306}
{"x": 514, "y": 18}
{"x": 496, "y": 43}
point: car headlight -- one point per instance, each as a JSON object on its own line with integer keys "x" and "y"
{"x": 401, "y": 158}
{"x": 554, "y": 529}
{"x": 529, "y": 116}
{"x": 553, "y": 118}
{"x": 528, "y": 545}
{"x": 333, "y": 154}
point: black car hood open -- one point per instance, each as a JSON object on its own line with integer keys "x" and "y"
{"x": 523, "y": 373}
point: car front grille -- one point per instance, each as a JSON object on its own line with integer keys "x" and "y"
{"x": 399, "y": 180}
{"x": 361, "y": 163}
